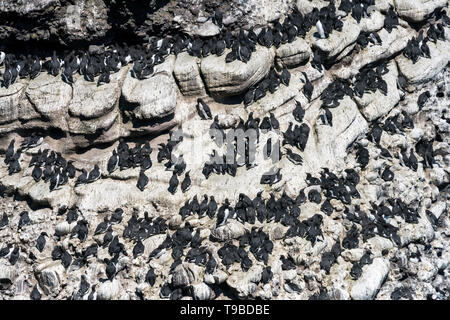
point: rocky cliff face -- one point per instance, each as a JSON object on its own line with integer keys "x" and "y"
{"x": 82, "y": 22}
{"x": 84, "y": 122}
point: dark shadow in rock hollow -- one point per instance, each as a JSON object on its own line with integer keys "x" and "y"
{"x": 31, "y": 204}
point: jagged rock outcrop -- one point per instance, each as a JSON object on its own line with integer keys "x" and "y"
{"x": 425, "y": 69}
{"x": 375, "y": 105}
{"x": 88, "y": 22}
{"x": 187, "y": 74}
{"x": 228, "y": 79}
{"x": 293, "y": 54}
{"x": 419, "y": 10}
{"x": 373, "y": 276}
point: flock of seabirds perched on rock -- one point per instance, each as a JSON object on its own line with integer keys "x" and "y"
{"x": 242, "y": 43}
{"x": 186, "y": 245}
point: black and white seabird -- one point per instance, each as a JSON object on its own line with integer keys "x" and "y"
{"x": 203, "y": 110}
{"x": 9, "y": 151}
{"x": 138, "y": 248}
{"x": 113, "y": 162}
{"x": 271, "y": 177}
{"x": 225, "y": 212}
{"x": 218, "y": 18}
{"x": 70, "y": 169}
{"x": 102, "y": 226}
{"x": 298, "y": 112}
{"x": 274, "y": 123}
{"x": 36, "y": 173}
{"x": 24, "y": 219}
{"x": 142, "y": 180}
{"x": 212, "y": 207}
{"x": 94, "y": 174}
{"x": 180, "y": 165}
{"x": 82, "y": 178}
{"x": 320, "y": 31}
{"x": 249, "y": 97}
{"x": 186, "y": 184}
{"x": 54, "y": 65}
{"x": 40, "y": 242}
{"x": 67, "y": 75}
{"x": 14, "y": 255}
{"x": 294, "y": 157}
{"x": 116, "y": 217}
{"x": 104, "y": 77}
{"x": 326, "y": 117}
{"x": 173, "y": 183}
{"x": 387, "y": 174}
{"x": 285, "y": 77}
{"x": 423, "y": 98}
{"x": 203, "y": 205}
{"x": 307, "y": 88}
{"x": 4, "y": 221}
{"x": 31, "y": 142}
{"x": 110, "y": 269}
{"x": 36, "y": 68}
{"x": 35, "y": 294}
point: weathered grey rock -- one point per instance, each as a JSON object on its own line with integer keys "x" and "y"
{"x": 302, "y": 252}
{"x": 40, "y": 193}
{"x": 207, "y": 29}
{"x": 227, "y": 79}
{"x": 218, "y": 277}
{"x": 367, "y": 286}
{"x": 8, "y": 275}
{"x": 151, "y": 98}
{"x": 108, "y": 194}
{"x": 86, "y": 127}
{"x": 186, "y": 274}
{"x": 152, "y": 243}
{"x": 243, "y": 288}
{"x": 86, "y": 17}
{"x": 417, "y": 10}
{"x": 92, "y": 101}
{"x": 372, "y": 23}
{"x": 51, "y": 97}
{"x": 231, "y": 230}
{"x": 202, "y": 292}
{"x": 29, "y": 7}
{"x": 348, "y": 124}
{"x": 327, "y": 147}
{"x": 279, "y": 99}
{"x": 228, "y": 120}
{"x": 353, "y": 255}
{"x": 377, "y": 244}
{"x": 109, "y": 290}
{"x": 51, "y": 276}
{"x": 425, "y": 69}
{"x": 337, "y": 41}
{"x": 187, "y": 74}
{"x": 375, "y": 105}
{"x": 294, "y": 53}
{"x": 306, "y": 7}
{"x": 422, "y": 231}
{"x": 340, "y": 294}
{"x": 245, "y": 283}
{"x": 93, "y": 21}
{"x": 393, "y": 43}
{"x": 167, "y": 66}
{"x": 27, "y": 111}
{"x": 63, "y": 228}
{"x": 9, "y": 102}
{"x": 438, "y": 208}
